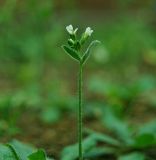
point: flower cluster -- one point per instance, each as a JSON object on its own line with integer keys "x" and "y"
{"x": 72, "y": 41}
{"x": 74, "y": 45}
{"x": 71, "y": 30}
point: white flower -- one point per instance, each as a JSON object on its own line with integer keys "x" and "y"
{"x": 88, "y": 32}
{"x": 71, "y": 30}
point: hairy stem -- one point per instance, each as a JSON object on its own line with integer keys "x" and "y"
{"x": 80, "y": 114}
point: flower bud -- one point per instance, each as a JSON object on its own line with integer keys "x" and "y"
{"x": 70, "y": 42}
{"x": 88, "y": 32}
{"x": 71, "y": 30}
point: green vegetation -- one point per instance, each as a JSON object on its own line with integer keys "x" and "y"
{"x": 18, "y": 151}
{"x": 38, "y": 82}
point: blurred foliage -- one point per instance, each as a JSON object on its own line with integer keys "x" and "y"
{"x": 119, "y": 80}
{"x": 127, "y": 40}
{"x": 126, "y": 143}
{"x": 16, "y": 150}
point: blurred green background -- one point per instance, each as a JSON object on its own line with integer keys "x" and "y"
{"x": 35, "y": 74}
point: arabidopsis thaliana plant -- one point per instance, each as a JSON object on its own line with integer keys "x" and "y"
{"x": 71, "y": 30}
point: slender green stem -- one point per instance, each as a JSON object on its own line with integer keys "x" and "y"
{"x": 80, "y": 114}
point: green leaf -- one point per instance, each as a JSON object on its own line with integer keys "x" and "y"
{"x": 106, "y": 139}
{"x": 50, "y": 115}
{"x": 71, "y": 152}
{"x": 22, "y": 150}
{"x": 101, "y": 137}
{"x": 149, "y": 127}
{"x": 99, "y": 151}
{"x": 39, "y": 155}
{"x": 6, "y": 153}
{"x": 132, "y": 156}
{"x": 89, "y": 147}
{"x": 117, "y": 125}
{"x": 73, "y": 53}
{"x": 145, "y": 140}
{"x": 19, "y": 151}
{"x": 87, "y": 53}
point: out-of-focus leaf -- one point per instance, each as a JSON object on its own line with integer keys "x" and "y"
{"x": 50, "y": 115}
{"x": 117, "y": 125}
{"x": 98, "y": 85}
{"x": 132, "y": 156}
{"x": 19, "y": 151}
{"x": 6, "y": 153}
{"x": 105, "y": 138}
{"x": 39, "y": 155}
{"x": 101, "y": 137}
{"x": 145, "y": 140}
{"x": 149, "y": 127}
{"x": 99, "y": 151}
{"x": 89, "y": 146}
{"x": 22, "y": 150}
{"x": 71, "y": 152}
{"x": 109, "y": 89}
{"x": 145, "y": 83}
{"x": 73, "y": 53}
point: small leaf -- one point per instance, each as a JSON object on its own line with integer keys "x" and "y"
{"x": 99, "y": 151}
{"x": 87, "y": 53}
{"x": 50, "y": 115}
{"x": 132, "y": 156}
{"x": 120, "y": 127}
{"x": 89, "y": 147}
{"x": 73, "y": 53}
{"x": 101, "y": 137}
{"x": 6, "y": 153}
{"x": 21, "y": 150}
{"x": 145, "y": 140}
{"x": 39, "y": 155}
{"x": 71, "y": 152}
{"x": 149, "y": 127}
